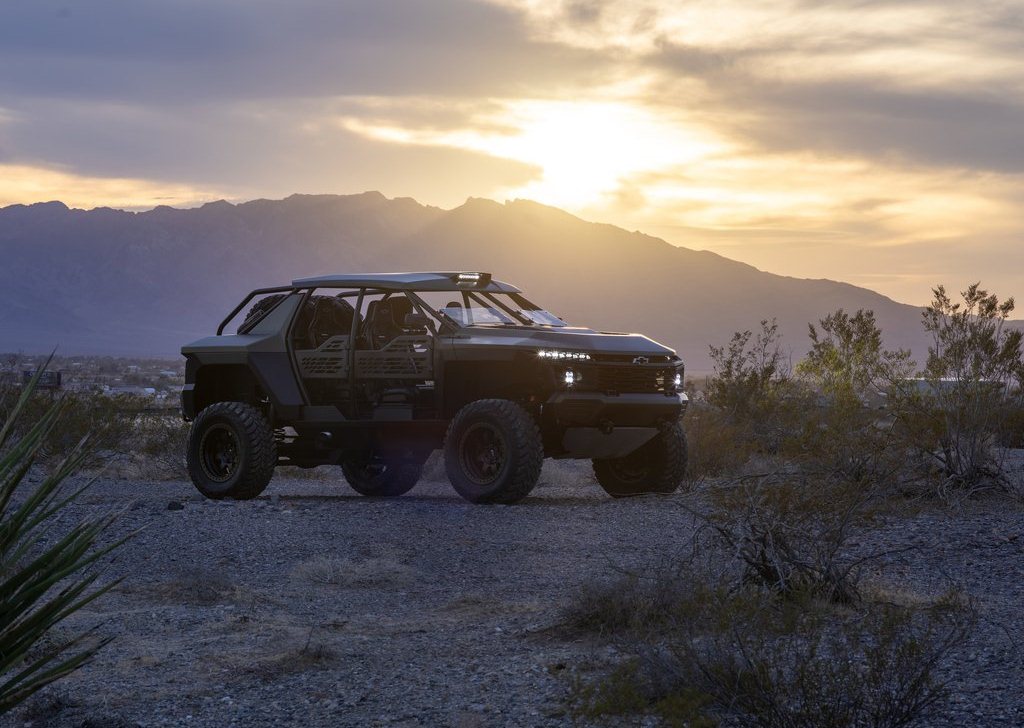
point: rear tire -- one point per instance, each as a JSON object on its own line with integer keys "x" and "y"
{"x": 379, "y": 477}
{"x": 231, "y": 451}
{"x": 493, "y": 452}
{"x": 657, "y": 466}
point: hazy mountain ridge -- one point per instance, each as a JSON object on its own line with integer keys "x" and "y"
{"x": 143, "y": 283}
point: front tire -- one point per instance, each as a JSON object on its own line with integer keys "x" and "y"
{"x": 658, "y": 466}
{"x": 493, "y": 452}
{"x": 378, "y": 477}
{"x": 231, "y": 451}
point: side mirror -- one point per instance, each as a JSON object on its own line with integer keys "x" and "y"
{"x": 415, "y": 321}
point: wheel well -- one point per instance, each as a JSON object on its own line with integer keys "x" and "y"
{"x": 225, "y": 383}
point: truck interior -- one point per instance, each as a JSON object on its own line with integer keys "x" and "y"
{"x": 389, "y": 365}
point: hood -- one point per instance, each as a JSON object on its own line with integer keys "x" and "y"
{"x": 569, "y": 338}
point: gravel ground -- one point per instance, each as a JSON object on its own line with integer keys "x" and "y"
{"x": 312, "y": 606}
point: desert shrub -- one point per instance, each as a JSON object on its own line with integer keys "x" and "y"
{"x": 715, "y": 445}
{"x": 956, "y": 413}
{"x": 753, "y": 388}
{"x": 716, "y": 653}
{"x": 42, "y": 580}
{"x": 790, "y": 534}
{"x": 160, "y": 439}
{"x": 120, "y": 428}
{"x": 847, "y": 361}
{"x": 846, "y": 435}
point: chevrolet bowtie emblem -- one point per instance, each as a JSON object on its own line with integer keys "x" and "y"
{"x": 641, "y": 360}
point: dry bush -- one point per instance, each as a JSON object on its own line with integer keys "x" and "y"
{"x": 791, "y": 534}
{"x": 161, "y": 440}
{"x": 846, "y": 442}
{"x": 291, "y": 658}
{"x": 704, "y": 651}
{"x": 128, "y": 436}
{"x": 714, "y": 445}
{"x": 765, "y": 622}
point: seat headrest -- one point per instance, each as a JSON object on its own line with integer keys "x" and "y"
{"x": 399, "y": 308}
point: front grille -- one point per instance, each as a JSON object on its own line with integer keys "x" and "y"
{"x": 629, "y": 378}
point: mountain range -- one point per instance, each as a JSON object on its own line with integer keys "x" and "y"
{"x": 108, "y": 281}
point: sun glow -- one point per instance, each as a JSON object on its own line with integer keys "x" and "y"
{"x": 583, "y": 150}
{"x": 26, "y": 184}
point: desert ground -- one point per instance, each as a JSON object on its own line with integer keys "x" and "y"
{"x": 313, "y": 606}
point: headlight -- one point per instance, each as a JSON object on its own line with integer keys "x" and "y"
{"x": 571, "y": 377}
{"x": 557, "y": 355}
{"x": 678, "y": 381}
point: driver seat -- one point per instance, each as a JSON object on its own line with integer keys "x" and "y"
{"x": 388, "y": 320}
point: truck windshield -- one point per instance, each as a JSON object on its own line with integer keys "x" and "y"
{"x": 475, "y": 314}
{"x": 478, "y": 308}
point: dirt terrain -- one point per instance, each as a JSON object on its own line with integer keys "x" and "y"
{"x": 313, "y": 606}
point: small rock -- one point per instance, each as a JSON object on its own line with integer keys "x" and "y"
{"x": 175, "y": 506}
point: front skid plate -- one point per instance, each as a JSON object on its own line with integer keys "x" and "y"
{"x": 590, "y": 442}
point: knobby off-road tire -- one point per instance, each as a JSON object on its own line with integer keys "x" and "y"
{"x": 380, "y": 477}
{"x": 493, "y": 452}
{"x": 231, "y": 451}
{"x": 658, "y": 466}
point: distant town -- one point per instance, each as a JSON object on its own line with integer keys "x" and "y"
{"x": 158, "y": 379}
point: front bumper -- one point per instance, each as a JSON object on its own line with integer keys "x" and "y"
{"x": 596, "y": 425}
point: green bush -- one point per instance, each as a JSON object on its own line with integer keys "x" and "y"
{"x": 753, "y": 388}
{"x": 42, "y": 582}
{"x": 847, "y": 362}
{"x": 956, "y": 414}
{"x": 847, "y": 436}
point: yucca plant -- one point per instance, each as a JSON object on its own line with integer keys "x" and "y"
{"x": 44, "y": 576}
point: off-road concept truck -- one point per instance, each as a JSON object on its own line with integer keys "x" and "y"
{"x": 373, "y": 372}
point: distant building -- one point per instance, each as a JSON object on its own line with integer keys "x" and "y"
{"x": 47, "y": 380}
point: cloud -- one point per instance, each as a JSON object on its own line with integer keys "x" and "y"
{"x": 168, "y": 53}
{"x": 968, "y": 129}
{"x": 246, "y": 150}
{"x": 243, "y": 96}
{"x": 935, "y": 83}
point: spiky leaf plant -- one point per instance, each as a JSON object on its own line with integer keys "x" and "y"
{"x": 45, "y": 574}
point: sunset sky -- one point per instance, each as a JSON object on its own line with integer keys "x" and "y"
{"x": 880, "y": 143}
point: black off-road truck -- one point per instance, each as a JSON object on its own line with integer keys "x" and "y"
{"x": 373, "y": 372}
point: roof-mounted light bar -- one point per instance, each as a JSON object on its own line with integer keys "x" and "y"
{"x": 472, "y": 280}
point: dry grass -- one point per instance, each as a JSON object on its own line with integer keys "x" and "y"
{"x": 291, "y": 657}
{"x": 197, "y": 587}
{"x": 371, "y": 572}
